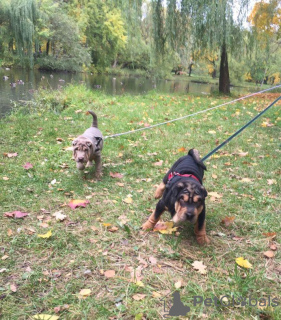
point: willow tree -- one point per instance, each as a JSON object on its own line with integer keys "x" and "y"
{"x": 22, "y": 19}
{"x": 205, "y": 25}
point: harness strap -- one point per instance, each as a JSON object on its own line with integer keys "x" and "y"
{"x": 187, "y": 175}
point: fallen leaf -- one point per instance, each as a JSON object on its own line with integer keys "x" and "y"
{"x": 152, "y": 260}
{"x": 59, "y": 215}
{"x": 212, "y": 131}
{"x": 107, "y": 225}
{"x": 214, "y": 176}
{"x": 271, "y": 181}
{"x": 45, "y": 235}
{"x": 73, "y": 204}
{"x": 139, "y": 283}
{"x": 242, "y": 154}
{"x": 84, "y": 293}
{"x": 5, "y": 257}
{"x": 273, "y": 247}
{"x": 120, "y": 184}
{"x": 57, "y": 309}
{"x": 116, "y": 175}
{"x": 165, "y": 227}
{"x": 158, "y": 164}
{"x": 128, "y": 200}
{"x": 182, "y": 149}
{"x": 156, "y": 294}
{"x": 16, "y": 214}
{"x": 13, "y": 288}
{"x": 28, "y": 166}
{"x": 10, "y": 155}
{"x": 227, "y": 221}
{"x": 247, "y": 180}
{"x": 198, "y": 265}
{"x": 215, "y": 195}
{"x": 269, "y": 254}
{"x": 270, "y": 234}
{"x": 43, "y": 316}
{"x": 139, "y": 296}
{"x": 44, "y": 225}
{"x": 237, "y": 238}
{"x": 6, "y": 178}
{"x": 113, "y": 229}
{"x": 109, "y": 274}
{"x": 178, "y": 284}
{"x": 243, "y": 263}
{"x": 9, "y": 232}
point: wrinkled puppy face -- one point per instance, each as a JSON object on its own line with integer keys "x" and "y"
{"x": 82, "y": 149}
{"x": 189, "y": 201}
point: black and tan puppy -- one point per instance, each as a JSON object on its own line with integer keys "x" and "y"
{"x": 183, "y": 195}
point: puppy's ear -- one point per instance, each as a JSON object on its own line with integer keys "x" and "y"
{"x": 204, "y": 191}
{"x": 177, "y": 188}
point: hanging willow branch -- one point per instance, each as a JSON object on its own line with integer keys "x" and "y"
{"x": 22, "y": 17}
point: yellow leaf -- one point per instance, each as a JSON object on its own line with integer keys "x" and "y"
{"x": 107, "y": 224}
{"x": 46, "y": 235}
{"x": 84, "y": 293}
{"x": 182, "y": 149}
{"x": 168, "y": 231}
{"x": 246, "y": 180}
{"x": 128, "y": 200}
{"x": 165, "y": 227}
{"x": 139, "y": 284}
{"x": 45, "y": 317}
{"x": 215, "y": 195}
{"x": 178, "y": 284}
{"x": 243, "y": 263}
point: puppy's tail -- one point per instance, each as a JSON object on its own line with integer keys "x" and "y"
{"x": 95, "y": 119}
{"x": 194, "y": 153}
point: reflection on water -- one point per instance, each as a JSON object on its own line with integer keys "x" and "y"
{"x": 21, "y": 84}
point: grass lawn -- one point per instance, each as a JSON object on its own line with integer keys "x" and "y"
{"x": 100, "y": 247}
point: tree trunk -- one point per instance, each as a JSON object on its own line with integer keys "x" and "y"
{"x": 114, "y": 63}
{"x": 47, "y": 47}
{"x": 224, "y": 82}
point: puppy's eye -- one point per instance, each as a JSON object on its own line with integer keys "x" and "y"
{"x": 182, "y": 198}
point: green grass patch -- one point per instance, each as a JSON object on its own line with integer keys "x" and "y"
{"x": 49, "y": 273}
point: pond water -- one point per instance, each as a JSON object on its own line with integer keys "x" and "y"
{"x": 21, "y": 84}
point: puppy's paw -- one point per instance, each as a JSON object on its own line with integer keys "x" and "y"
{"x": 203, "y": 239}
{"x": 148, "y": 225}
{"x": 98, "y": 175}
{"x": 158, "y": 194}
{"x": 159, "y": 191}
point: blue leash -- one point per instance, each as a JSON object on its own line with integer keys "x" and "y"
{"x": 240, "y": 130}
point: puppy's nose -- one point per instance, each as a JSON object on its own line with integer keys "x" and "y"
{"x": 189, "y": 215}
{"x": 80, "y": 159}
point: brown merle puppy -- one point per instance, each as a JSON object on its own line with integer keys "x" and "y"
{"x": 88, "y": 146}
{"x": 183, "y": 195}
